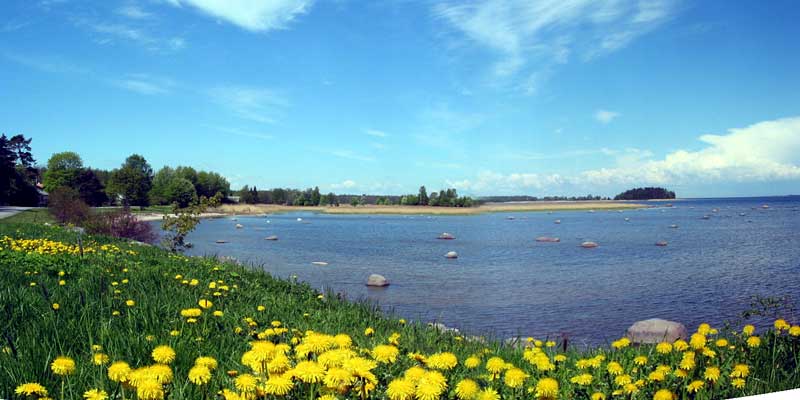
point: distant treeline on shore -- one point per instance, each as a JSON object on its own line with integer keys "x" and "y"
{"x": 648, "y": 193}
{"x": 507, "y": 199}
{"x": 313, "y": 197}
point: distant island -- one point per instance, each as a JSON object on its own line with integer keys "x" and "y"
{"x": 648, "y": 193}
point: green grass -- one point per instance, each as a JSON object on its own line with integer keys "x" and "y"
{"x": 98, "y": 284}
{"x": 32, "y": 216}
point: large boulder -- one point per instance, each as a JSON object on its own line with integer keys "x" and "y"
{"x": 446, "y": 236}
{"x": 656, "y": 330}
{"x": 377, "y": 280}
{"x": 272, "y": 237}
{"x": 239, "y": 226}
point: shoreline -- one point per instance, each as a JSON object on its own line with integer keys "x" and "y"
{"x": 538, "y": 206}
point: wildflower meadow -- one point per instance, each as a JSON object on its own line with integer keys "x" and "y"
{"x": 106, "y": 319}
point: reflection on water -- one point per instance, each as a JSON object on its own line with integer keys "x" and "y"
{"x": 505, "y": 283}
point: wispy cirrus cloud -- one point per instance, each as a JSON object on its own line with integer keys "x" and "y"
{"x": 49, "y": 63}
{"x": 244, "y": 133}
{"x": 530, "y": 37}
{"x": 253, "y": 103}
{"x": 346, "y": 184}
{"x": 133, "y": 11}
{"x": 763, "y": 152}
{"x": 375, "y": 133}
{"x": 144, "y": 84}
{"x": 253, "y": 15}
{"x": 605, "y": 116}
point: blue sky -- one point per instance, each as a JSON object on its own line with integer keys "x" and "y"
{"x": 491, "y": 97}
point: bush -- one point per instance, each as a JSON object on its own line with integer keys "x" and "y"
{"x": 120, "y": 224}
{"x": 67, "y": 207}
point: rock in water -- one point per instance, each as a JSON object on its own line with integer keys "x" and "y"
{"x": 320, "y": 263}
{"x": 558, "y": 221}
{"x": 589, "y": 245}
{"x": 377, "y": 280}
{"x": 239, "y": 226}
{"x": 451, "y": 254}
{"x": 221, "y": 241}
{"x": 656, "y": 330}
{"x": 661, "y": 243}
{"x": 548, "y": 239}
{"x": 627, "y": 219}
{"x": 272, "y": 237}
{"x": 673, "y": 226}
{"x": 446, "y": 236}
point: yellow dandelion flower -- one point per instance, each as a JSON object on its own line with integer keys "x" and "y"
{"x": 149, "y": 389}
{"x": 738, "y": 383}
{"x": 430, "y": 385}
{"x": 697, "y": 341}
{"x": 119, "y": 371}
{"x": 560, "y": 358}
{"x": 30, "y": 389}
{"x": 640, "y": 360}
{"x": 472, "y": 362}
{"x": 55, "y": 306}
{"x": 680, "y": 345}
{"x": 598, "y": 396}
{"x": 582, "y": 379}
{"x": 63, "y": 366}
{"x": 622, "y": 380}
{"x": 218, "y": 313}
{"x": 385, "y": 353}
{"x": 163, "y": 354}
{"x": 261, "y": 308}
{"x": 487, "y": 394}
{"x": 781, "y": 325}
{"x": 199, "y": 375}
{"x": 740, "y": 371}
{"x": 100, "y": 359}
{"x": 369, "y": 331}
{"x": 208, "y": 362}
{"x": 400, "y": 389}
{"x": 309, "y": 371}
{"x": 95, "y": 394}
{"x": 467, "y": 389}
{"x": 721, "y": 343}
{"x": 621, "y": 343}
{"x": 546, "y": 388}
{"x": 695, "y": 386}
{"x": 753, "y": 341}
{"x": 130, "y": 303}
{"x": 515, "y": 378}
{"x": 704, "y": 329}
{"x": 794, "y": 330}
{"x": 748, "y": 329}
{"x": 246, "y": 383}
{"x": 495, "y": 365}
{"x": 711, "y": 374}
{"x": 338, "y": 377}
{"x": 614, "y": 368}
{"x": 663, "y": 394}
{"x": 656, "y": 376}
{"x": 443, "y": 361}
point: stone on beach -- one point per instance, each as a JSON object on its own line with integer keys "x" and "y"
{"x": 548, "y": 239}
{"x": 656, "y": 330}
{"x": 272, "y": 237}
{"x": 661, "y": 243}
{"x": 446, "y": 236}
{"x": 377, "y": 280}
{"x": 451, "y": 254}
{"x": 589, "y": 245}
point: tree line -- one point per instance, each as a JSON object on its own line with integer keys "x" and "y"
{"x": 132, "y": 184}
{"x": 313, "y": 197}
{"x": 647, "y": 193}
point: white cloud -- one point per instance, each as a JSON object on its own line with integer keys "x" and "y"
{"x": 763, "y": 152}
{"x": 376, "y": 133}
{"x": 351, "y": 155}
{"x": 112, "y": 32}
{"x": 605, "y": 116}
{"x": 49, "y": 64}
{"x": 133, "y": 11}
{"x": 528, "y": 37}
{"x": 144, "y": 84}
{"x": 253, "y": 103}
{"x": 253, "y": 15}
{"x": 346, "y": 184}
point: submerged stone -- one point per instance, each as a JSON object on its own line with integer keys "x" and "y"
{"x": 377, "y": 280}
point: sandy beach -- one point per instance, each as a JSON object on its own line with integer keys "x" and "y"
{"x": 244, "y": 209}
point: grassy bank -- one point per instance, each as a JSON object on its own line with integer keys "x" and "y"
{"x": 136, "y": 322}
{"x": 32, "y": 216}
{"x": 417, "y": 210}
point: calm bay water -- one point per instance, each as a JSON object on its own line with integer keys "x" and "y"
{"x": 506, "y": 284}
